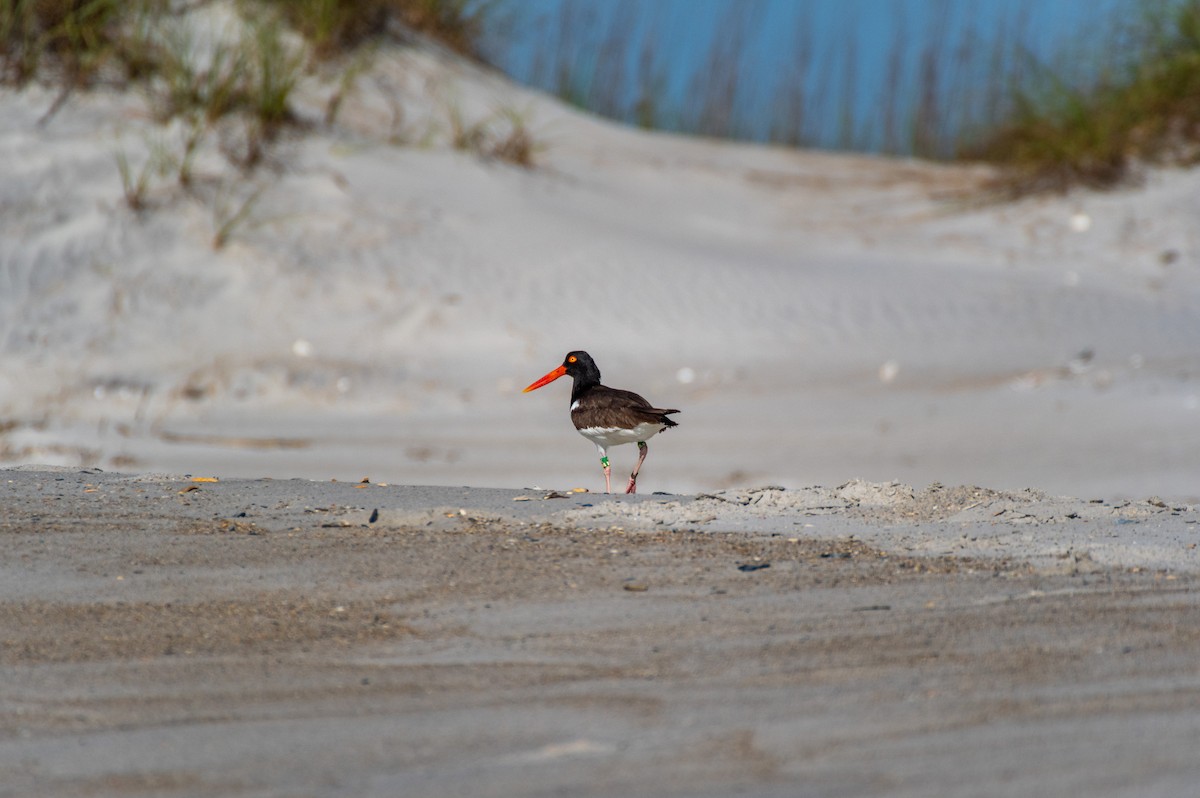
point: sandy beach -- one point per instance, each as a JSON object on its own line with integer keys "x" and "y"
{"x": 818, "y": 317}
{"x": 928, "y": 524}
{"x": 166, "y": 636}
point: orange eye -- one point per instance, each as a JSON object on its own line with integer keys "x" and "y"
{"x": 571, "y": 359}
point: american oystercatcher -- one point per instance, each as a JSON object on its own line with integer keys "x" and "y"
{"x": 608, "y": 416}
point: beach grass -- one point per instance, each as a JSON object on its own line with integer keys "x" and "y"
{"x": 239, "y": 86}
{"x": 204, "y": 79}
{"x": 76, "y": 39}
{"x": 1143, "y": 109}
{"x": 1117, "y": 96}
{"x": 77, "y": 43}
{"x": 335, "y": 27}
{"x": 935, "y": 81}
{"x": 1092, "y": 117}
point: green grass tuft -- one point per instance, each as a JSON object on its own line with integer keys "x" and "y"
{"x": 335, "y": 27}
{"x": 1147, "y": 112}
{"x": 236, "y": 88}
{"x": 276, "y": 70}
{"x": 73, "y": 37}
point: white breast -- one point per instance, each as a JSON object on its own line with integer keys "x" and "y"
{"x": 614, "y": 436}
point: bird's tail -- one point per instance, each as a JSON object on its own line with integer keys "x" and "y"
{"x": 662, "y": 414}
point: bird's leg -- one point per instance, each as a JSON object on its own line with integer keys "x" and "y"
{"x": 607, "y": 471}
{"x": 642, "y": 449}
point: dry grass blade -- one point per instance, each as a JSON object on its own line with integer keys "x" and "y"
{"x": 137, "y": 182}
{"x": 517, "y": 145}
{"x": 231, "y": 214}
{"x": 335, "y": 27}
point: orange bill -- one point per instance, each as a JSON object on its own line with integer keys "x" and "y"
{"x": 549, "y": 378}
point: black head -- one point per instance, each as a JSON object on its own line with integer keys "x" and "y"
{"x": 580, "y": 366}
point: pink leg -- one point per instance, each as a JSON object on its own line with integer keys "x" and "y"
{"x": 642, "y": 449}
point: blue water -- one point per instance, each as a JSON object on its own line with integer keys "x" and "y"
{"x": 873, "y": 75}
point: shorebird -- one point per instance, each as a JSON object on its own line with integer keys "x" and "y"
{"x": 608, "y": 416}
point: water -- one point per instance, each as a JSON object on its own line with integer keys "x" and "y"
{"x": 898, "y": 76}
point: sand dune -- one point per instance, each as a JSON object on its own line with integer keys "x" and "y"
{"x": 817, "y": 317}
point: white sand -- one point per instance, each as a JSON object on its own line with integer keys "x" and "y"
{"x": 816, "y": 317}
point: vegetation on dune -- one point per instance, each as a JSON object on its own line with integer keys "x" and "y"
{"x": 1146, "y": 111}
{"x": 1124, "y": 95}
{"x": 1045, "y": 128}
{"x": 335, "y": 26}
{"x": 81, "y": 42}
{"x": 756, "y": 75}
{"x": 79, "y": 39}
{"x": 233, "y": 83}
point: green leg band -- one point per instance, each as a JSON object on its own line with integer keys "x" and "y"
{"x": 604, "y": 462}
{"x": 641, "y": 444}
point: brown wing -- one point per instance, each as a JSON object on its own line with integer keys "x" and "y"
{"x": 612, "y": 407}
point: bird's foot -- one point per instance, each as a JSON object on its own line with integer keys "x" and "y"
{"x": 632, "y": 485}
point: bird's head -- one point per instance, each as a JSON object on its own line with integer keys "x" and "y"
{"x": 578, "y": 364}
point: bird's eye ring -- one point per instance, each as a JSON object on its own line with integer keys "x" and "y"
{"x": 571, "y": 359}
